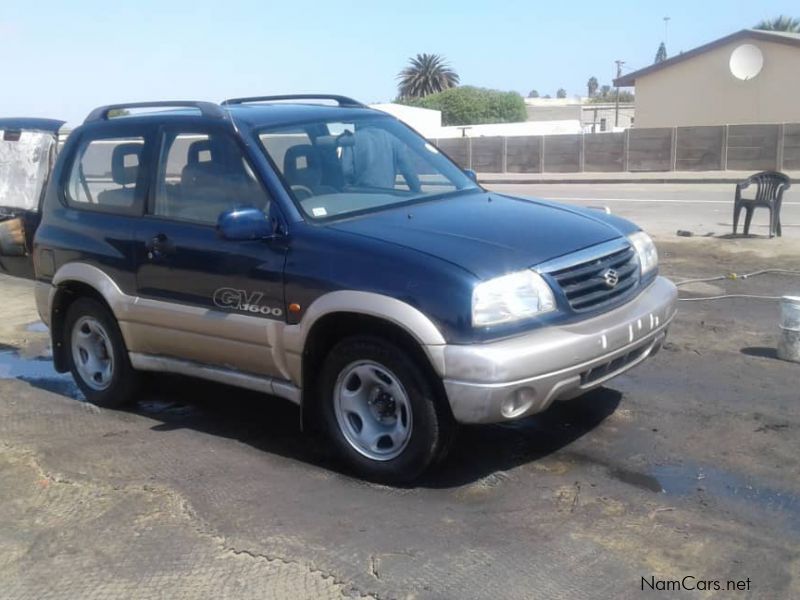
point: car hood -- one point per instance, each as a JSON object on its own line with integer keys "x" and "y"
{"x": 487, "y": 234}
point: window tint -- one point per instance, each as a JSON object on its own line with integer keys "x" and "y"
{"x": 201, "y": 176}
{"x": 105, "y": 174}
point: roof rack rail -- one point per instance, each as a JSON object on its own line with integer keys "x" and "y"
{"x": 207, "y": 109}
{"x": 341, "y": 100}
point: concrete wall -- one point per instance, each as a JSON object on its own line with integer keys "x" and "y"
{"x": 702, "y": 91}
{"x": 702, "y": 148}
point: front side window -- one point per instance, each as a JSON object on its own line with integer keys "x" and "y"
{"x": 105, "y": 174}
{"x": 336, "y": 168}
{"x": 200, "y": 176}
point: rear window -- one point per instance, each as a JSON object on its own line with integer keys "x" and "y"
{"x": 106, "y": 174}
{"x": 25, "y": 159}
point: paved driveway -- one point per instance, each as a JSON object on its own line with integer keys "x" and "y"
{"x": 687, "y": 466}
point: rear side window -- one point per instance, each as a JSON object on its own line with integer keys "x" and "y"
{"x": 106, "y": 174}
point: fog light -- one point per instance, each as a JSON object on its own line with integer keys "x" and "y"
{"x": 518, "y": 402}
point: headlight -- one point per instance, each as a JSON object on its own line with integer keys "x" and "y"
{"x": 510, "y": 298}
{"x": 646, "y": 249}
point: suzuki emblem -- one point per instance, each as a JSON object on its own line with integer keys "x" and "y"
{"x": 611, "y": 278}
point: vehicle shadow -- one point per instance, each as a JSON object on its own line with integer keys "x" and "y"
{"x": 273, "y": 425}
{"x": 480, "y": 451}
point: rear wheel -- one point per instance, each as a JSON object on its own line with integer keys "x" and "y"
{"x": 381, "y": 411}
{"x": 98, "y": 358}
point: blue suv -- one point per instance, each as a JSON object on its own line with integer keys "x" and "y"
{"x": 314, "y": 249}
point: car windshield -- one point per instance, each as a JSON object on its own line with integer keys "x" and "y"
{"x": 335, "y": 168}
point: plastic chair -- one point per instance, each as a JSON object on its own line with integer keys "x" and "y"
{"x": 770, "y": 186}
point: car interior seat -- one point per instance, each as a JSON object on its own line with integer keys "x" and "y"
{"x": 123, "y": 175}
{"x": 214, "y": 180}
{"x": 302, "y": 166}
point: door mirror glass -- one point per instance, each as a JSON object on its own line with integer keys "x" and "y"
{"x": 244, "y": 224}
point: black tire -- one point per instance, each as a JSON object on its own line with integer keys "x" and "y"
{"x": 124, "y": 382}
{"x": 432, "y": 423}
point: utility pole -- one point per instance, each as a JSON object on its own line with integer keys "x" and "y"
{"x": 666, "y": 30}
{"x": 616, "y": 107}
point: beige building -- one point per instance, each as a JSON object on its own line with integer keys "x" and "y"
{"x": 750, "y": 76}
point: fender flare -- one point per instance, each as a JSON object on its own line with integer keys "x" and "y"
{"x": 98, "y": 280}
{"x": 397, "y": 312}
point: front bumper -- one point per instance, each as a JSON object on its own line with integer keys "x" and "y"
{"x": 520, "y": 376}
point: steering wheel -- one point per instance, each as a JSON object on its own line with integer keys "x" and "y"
{"x": 301, "y": 192}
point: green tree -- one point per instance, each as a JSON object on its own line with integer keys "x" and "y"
{"x": 533, "y": 94}
{"x": 661, "y": 54}
{"x": 469, "y": 105}
{"x": 426, "y": 74}
{"x": 561, "y": 93}
{"x": 591, "y": 86}
{"x": 780, "y": 23}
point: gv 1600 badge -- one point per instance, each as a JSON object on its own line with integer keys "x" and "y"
{"x": 244, "y": 301}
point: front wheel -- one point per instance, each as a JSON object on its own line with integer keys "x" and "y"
{"x": 381, "y": 412}
{"x": 98, "y": 358}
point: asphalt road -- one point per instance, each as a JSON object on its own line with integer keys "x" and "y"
{"x": 687, "y": 466}
{"x": 664, "y": 208}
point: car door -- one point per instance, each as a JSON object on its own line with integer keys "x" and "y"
{"x": 27, "y": 153}
{"x": 203, "y": 298}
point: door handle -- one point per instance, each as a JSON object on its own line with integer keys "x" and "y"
{"x": 159, "y": 247}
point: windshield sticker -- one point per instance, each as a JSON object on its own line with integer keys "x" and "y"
{"x": 319, "y": 211}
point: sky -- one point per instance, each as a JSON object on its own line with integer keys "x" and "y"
{"x": 60, "y": 59}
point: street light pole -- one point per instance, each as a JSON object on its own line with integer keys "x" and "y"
{"x": 616, "y": 107}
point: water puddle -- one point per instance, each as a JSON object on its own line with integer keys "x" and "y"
{"x": 37, "y": 371}
{"x": 723, "y": 486}
{"x": 694, "y": 479}
{"x": 642, "y": 480}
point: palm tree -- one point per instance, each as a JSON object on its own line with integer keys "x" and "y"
{"x": 780, "y": 23}
{"x": 426, "y": 74}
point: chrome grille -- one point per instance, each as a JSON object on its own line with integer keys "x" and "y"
{"x": 588, "y": 285}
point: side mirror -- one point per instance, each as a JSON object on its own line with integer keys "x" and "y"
{"x": 241, "y": 224}
{"x": 471, "y": 174}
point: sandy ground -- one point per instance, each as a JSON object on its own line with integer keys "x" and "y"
{"x": 688, "y": 465}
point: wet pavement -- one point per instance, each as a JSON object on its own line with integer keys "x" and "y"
{"x": 689, "y": 465}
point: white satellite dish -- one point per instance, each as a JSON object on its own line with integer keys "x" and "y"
{"x": 746, "y": 62}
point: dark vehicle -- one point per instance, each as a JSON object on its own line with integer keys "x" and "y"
{"x": 329, "y": 255}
